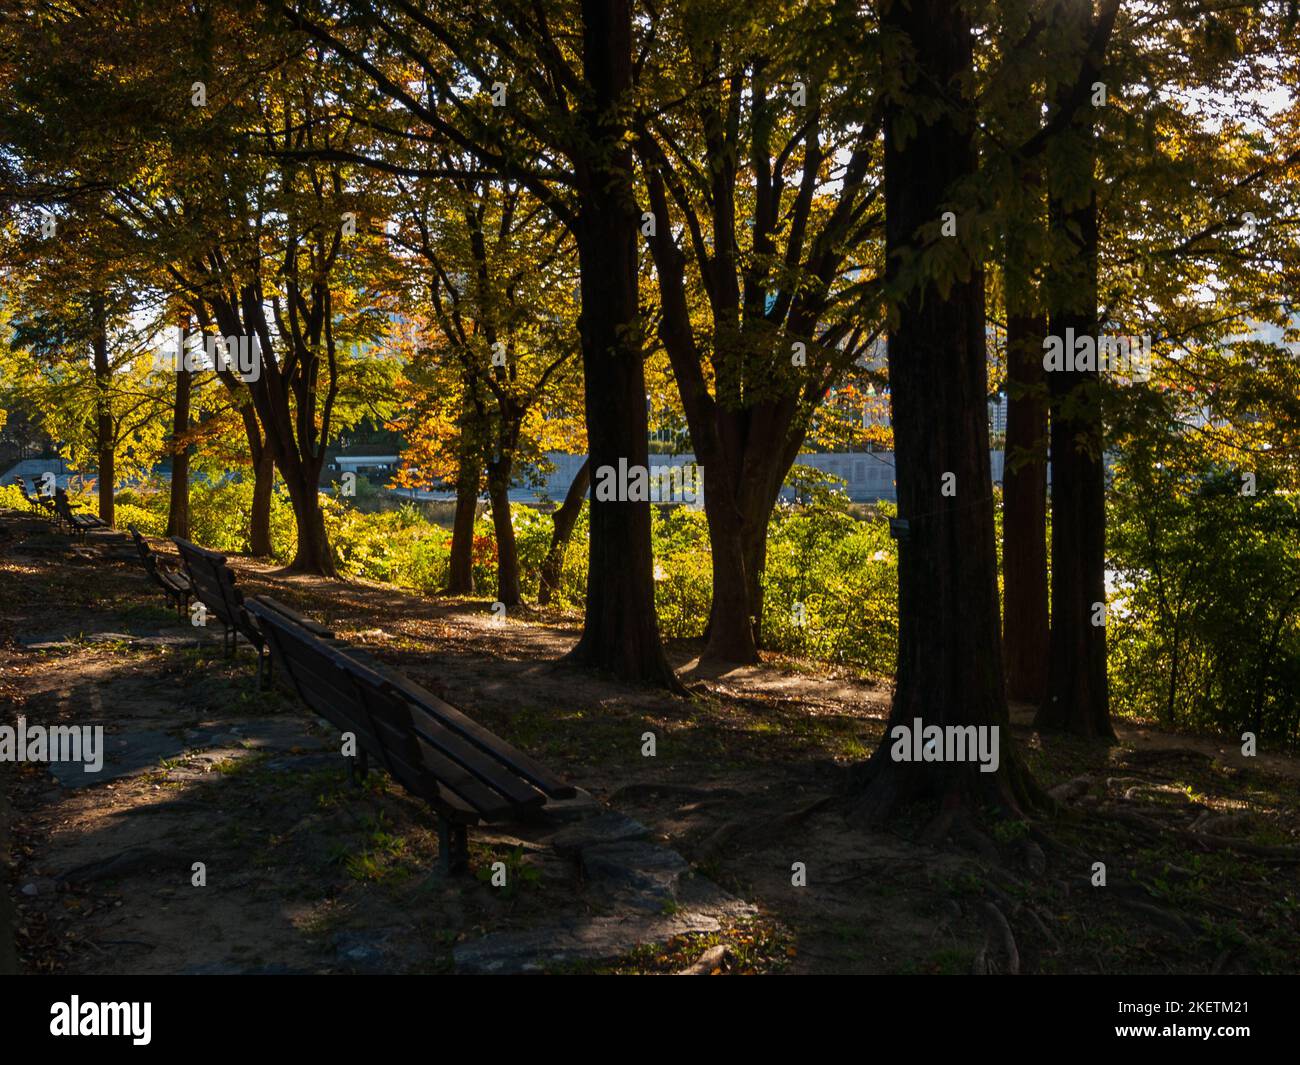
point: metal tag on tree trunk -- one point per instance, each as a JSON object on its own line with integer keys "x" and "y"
{"x": 899, "y": 528}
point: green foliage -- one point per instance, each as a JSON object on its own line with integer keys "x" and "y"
{"x": 397, "y": 546}
{"x": 148, "y": 521}
{"x": 519, "y": 872}
{"x": 683, "y": 571}
{"x": 844, "y": 573}
{"x": 11, "y": 497}
{"x": 840, "y": 568}
{"x": 1205, "y": 628}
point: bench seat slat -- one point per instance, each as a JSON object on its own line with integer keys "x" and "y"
{"x": 454, "y": 719}
{"x": 489, "y": 804}
{"x": 514, "y": 788}
{"x": 419, "y": 767}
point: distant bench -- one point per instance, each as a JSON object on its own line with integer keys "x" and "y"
{"x": 175, "y": 586}
{"x": 465, "y": 772}
{"x": 78, "y": 524}
{"x": 212, "y": 583}
{"x": 36, "y": 501}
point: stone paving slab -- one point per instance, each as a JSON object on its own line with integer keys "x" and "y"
{"x": 609, "y": 827}
{"x": 135, "y": 751}
{"x": 576, "y": 940}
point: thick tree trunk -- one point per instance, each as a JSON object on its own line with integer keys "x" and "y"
{"x": 507, "y": 552}
{"x": 755, "y": 546}
{"x": 314, "y": 554}
{"x": 1024, "y": 510}
{"x": 949, "y": 651}
{"x": 259, "y": 446}
{"x": 738, "y": 522}
{"x": 105, "y": 452}
{"x": 1024, "y": 471}
{"x": 1077, "y": 698}
{"x": 178, "y": 508}
{"x": 562, "y": 523}
{"x": 293, "y": 435}
{"x": 460, "y": 568}
{"x": 620, "y": 628}
{"x": 259, "y": 520}
{"x": 731, "y": 635}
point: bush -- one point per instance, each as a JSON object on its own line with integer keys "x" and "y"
{"x": 397, "y": 546}
{"x": 1204, "y": 626}
{"x": 148, "y": 522}
{"x": 841, "y": 570}
{"x": 844, "y": 574}
{"x": 11, "y": 496}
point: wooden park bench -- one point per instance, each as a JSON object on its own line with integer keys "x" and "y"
{"x": 465, "y": 772}
{"x": 38, "y": 503}
{"x": 77, "y": 524}
{"x": 175, "y": 585}
{"x": 33, "y": 501}
{"x": 212, "y": 583}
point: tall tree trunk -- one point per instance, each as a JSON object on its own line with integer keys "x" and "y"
{"x": 293, "y": 436}
{"x": 949, "y": 651}
{"x": 1078, "y": 697}
{"x": 718, "y": 435}
{"x": 753, "y": 486}
{"x": 259, "y": 520}
{"x": 562, "y": 523}
{"x": 1024, "y": 505}
{"x": 259, "y": 446}
{"x": 507, "y": 552}
{"x": 1024, "y": 470}
{"x": 620, "y": 628}
{"x": 314, "y": 554}
{"x": 460, "y": 568}
{"x": 178, "y": 508}
{"x": 732, "y": 632}
{"x": 759, "y": 512}
{"x": 103, "y": 408}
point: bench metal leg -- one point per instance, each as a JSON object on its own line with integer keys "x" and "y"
{"x": 358, "y": 767}
{"x": 453, "y": 847}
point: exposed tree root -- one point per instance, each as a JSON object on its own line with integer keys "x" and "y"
{"x": 938, "y": 827}
{"x": 1032, "y": 913}
{"x": 681, "y": 791}
{"x": 1163, "y": 754}
{"x": 1283, "y": 855}
{"x": 999, "y": 953}
{"x": 1160, "y": 915}
{"x": 1071, "y": 789}
{"x": 735, "y": 831}
{"x": 977, "y": 840}
{"x": 707, "y": 962}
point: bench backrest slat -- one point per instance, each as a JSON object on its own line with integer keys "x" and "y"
{"x": 453, "y": 719}
{"x": 324, "y": 681}
{"x": 150, "y": 561}
{"x": 431, "y": 760}
{"x": 214, "y": 586}
{"x": 473, "y": 768}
